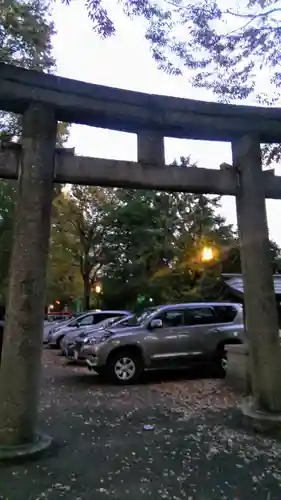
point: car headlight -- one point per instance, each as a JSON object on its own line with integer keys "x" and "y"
{"x": 53, "y": 330}
{"x": 94, "y": 340}
{"x": 90, "y": 340}
{"x": 82, "y": 335}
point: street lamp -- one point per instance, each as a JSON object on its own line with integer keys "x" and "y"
{"x": 98, "y": 292}
{"x": 207, "y": 254}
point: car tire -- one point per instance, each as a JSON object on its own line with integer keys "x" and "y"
{"x": 58, "y": 342}
{"x": 124, "y": 367}
{"x": 221, "y": 361}
{"x": 101, "y": 372}
{"x": 62, "y": 351}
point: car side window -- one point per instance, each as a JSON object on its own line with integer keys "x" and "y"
{"x": 88, "y": 320}
{"x": 172, "y": 318}
{"x": 100, "y": 317}
{"x": 200, "y": 316}
{"x": 225, "y": 314}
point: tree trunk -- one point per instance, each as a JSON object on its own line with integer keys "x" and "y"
{"x": 87, "y": 293}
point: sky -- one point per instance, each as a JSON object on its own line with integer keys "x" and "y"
{"x": 125, "y": 61}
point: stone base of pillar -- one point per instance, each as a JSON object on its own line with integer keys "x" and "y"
{"x": 260, "y": 421}
{"x": 237, "y": 372}
{"x": 38, "y": 446}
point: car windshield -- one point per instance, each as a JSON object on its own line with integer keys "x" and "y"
{"x": 74, "y": 321}
{"x": 107, "y": 322}
{"x": 137, "y": 319}
{"x": 57, "y": 318}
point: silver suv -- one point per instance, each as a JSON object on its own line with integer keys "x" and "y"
{"x": 163, "y": 337}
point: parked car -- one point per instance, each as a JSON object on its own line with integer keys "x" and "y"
{"x": 89, "y": 319}
{"x": 55, "y": 327}
{"x": 57, "y": 322}
{"x": 171, "y": 336}
{"x": 70, "y": 340}
{"x": 58, "y": 316}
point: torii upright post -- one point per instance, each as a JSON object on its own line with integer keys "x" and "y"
{"x": 21, "y": 356}
{"x": 260, "y": 302}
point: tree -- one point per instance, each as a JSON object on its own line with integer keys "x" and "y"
{"x": 98, "y": 14}
{"x": 25, "y": 40}
{"x": 7, "y": 207}
{"x": 25, "y": 35}
{"x": 231, "y": 263}
{"x": 155, "y": 242}
{"x": 79, "y": 225}
{"x": 64, "y": 280}
{"x": 236, "y": 44}
{"x": 226, "y": 48}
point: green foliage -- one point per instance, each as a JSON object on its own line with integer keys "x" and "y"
{"x": 7, "y": 206}
{"x": 25, "y": 34}
{"x": 78, "y": 231}
{"x": 98, "y": 14}
{"x": 26, "y": 31}
{"x": 144, "y": 247}
{"x": 25, "y": 40}
{"x": 64, "y": 280}
{"x": 154, "y": 244}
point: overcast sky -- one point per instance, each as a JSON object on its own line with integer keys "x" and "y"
{"x": 125, "y": 62}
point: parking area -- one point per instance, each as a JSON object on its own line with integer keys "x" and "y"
{"x": 174, "y": 436}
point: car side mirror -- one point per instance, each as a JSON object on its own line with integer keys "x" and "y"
{"x": 156, "y": 323}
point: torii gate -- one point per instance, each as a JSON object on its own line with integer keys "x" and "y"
{"x": 45, "y": 99}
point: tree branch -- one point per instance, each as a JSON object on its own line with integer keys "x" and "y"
{"x": 252, "y": 17}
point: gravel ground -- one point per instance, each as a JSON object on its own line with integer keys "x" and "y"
{"x": 194, "y": 447}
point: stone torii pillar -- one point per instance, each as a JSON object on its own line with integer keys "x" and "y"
{"x": 261, "y": 313}
{"x": 151, "y": 149}
{"x": 21, "y": 355}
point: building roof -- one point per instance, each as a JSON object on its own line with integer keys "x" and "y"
{"x": 235, "y": 282}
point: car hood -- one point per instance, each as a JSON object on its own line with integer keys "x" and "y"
{"x": 86, "y": 332}
{"x": 72, "y": 333}
{"x": 66, "y": 330}
{"x": 128, "y": 330}
{"x": 61, "y": 325}
{"x": 80, "y": 332}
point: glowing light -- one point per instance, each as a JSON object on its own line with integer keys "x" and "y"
{"x": 98, "y": 289}
{"x": 207, "y": 254}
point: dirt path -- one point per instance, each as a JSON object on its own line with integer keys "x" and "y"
{"x": 178, "y": 439}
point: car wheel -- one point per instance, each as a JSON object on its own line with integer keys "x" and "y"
{"x": 125, "y": 367}
{"x": 101, "y": 372}
{"x": 221, "y": 361}
{"x": 58, "y": 342}
{"x": 62, "y": 349}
